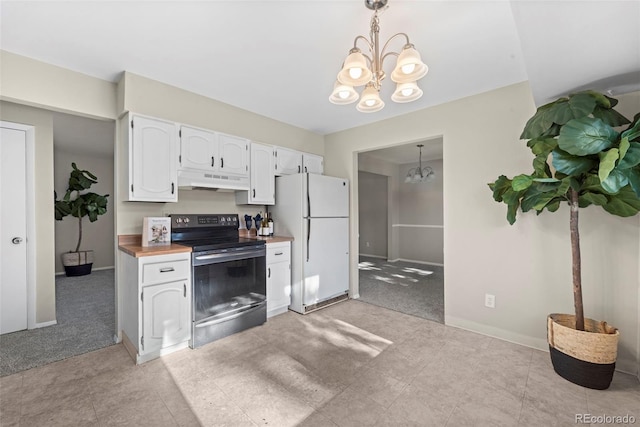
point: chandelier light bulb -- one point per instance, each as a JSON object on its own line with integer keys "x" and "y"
{"x": 343, "y": 94}
{"x": 355, "y": 73}
{"x": 408, "y": 68}
{"x": 406, "y": 92}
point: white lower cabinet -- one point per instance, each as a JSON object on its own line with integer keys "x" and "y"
{"x": 156, "y": 292}
{"x": 278, "y": 277}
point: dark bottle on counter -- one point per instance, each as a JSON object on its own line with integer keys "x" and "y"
{"x": 270, "y": 223}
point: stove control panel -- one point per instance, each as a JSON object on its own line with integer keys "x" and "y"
{"x": 204, "y": 220}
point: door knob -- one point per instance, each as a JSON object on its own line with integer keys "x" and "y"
{"x": 16, "y": 240}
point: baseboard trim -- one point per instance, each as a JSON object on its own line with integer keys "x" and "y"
{"x": 45, "y": 324}
{"x": 417, "y": 262}
{"x": 372, "y": 256}
{"x": 60, "y": 273}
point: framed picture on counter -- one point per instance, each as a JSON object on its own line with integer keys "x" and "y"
{"x": 156, "y": 231}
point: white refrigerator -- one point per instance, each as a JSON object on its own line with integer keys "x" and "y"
{"x": 314, "y": 210}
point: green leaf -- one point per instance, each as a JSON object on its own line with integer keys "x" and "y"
{"x": 610, "y": 116}
{"x": 499, "y": 187}
{"x": 541, "y": 121}
{"x": 536, "y": 201}
{"x": 581, "y": 104}
{"x": 553, "y": 205}
{"x": 521, "y": 182}
{"x": 561, "y": 113}
{"x": 586, "y": 136}
{"x": 541, "y": 167}
{"x": 542, "y": 146}
{"x": 607, "y": 163}
{"x": 588, "y": 198}
{"x": 571, "y": 165}
{"x": 546, "y": 180}
{"x": 512, "y": 199}
{"x": 624, "y": 147}
{"x": 626, "y": 203}
{"x": 614, "y": 182}
{"x": 633, "y": 132}
{"x": 631, "y": 157}
{"x": 633, "y": 175}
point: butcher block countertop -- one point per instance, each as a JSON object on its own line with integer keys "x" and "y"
{"x": 132, "y": 244}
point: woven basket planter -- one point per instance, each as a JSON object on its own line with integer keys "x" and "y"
{"x": 586, "y": 358}
{"x": 77, "y": 263}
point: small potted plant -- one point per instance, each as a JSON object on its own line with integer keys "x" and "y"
{"x": 80, "y": 203}
{"x": 580, "y": 159}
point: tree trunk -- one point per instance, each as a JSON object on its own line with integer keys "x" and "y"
{"x": 575, "y": 258}
{"x": 79, "y": 233}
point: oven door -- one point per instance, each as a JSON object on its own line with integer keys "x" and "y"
{"x": 229, "y": 292}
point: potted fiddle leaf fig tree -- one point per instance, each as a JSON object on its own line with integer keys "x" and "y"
{"x": 585, "y": 153}
{"x": 80, "y": 203}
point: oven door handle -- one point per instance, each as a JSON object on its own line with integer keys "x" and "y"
{"x": 228, "y": 256}
{"x": 253, "y": 307}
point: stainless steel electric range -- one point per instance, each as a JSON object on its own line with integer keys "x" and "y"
{"x": 228, "y": 273}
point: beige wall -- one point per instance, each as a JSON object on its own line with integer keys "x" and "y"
{"x": 44, "y": 262}
{"x": 373, "y": 213}
{"x": 98, "y": 235}
{"x": 526, "y": 265}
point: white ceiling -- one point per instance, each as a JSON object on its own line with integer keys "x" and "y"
{"x": 409, "y": 153}
{"x": 280, "y": 58}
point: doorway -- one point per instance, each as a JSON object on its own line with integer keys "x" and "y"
{"x": 409, "y": 276}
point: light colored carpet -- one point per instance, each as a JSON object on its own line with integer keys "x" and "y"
{"x": 409, "y": 288}
{"x": 85, "y": 311}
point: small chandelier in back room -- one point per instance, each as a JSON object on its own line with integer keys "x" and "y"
{"x": 420, "y": 174}
{"x": 361, "y": 69}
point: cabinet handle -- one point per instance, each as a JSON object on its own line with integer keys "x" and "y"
{"x": 269, "y": 272}
{"x": 254, "y": 192}
{"x": 279, "y": 253}
{"x": 221, "y": 162}
{"x": 185, "y": 289}
{"x": 166, "y": 269}
{"x": 213, "y": 161}
{"x": 298, "y": 168}
{"x": 172, "y": 188}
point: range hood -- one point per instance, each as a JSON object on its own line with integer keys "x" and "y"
{"x": 194, "y": 179}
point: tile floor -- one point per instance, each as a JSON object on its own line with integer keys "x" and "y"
{"x": 351, "y": 364}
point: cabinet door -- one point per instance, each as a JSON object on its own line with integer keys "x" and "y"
{"x": 165, "y": 315}
{"x": 313, "y": 163}
{"x": 234, "y": 155}
{"x": 278, "y": 287}
{"x": 198, "y": 149}
{"x": 262, "y": 176}
{"x": 154, "y": 169}
{"x": 288, "y": 161}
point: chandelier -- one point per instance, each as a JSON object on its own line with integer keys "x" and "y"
{"x": 361, "y": 69}
{"x": 420, "y": 174}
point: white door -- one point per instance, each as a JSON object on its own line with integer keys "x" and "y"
{"x": 328, "y": 197}
{"x": 13, "y": 229}
{"x": 165, "y": 313}
{"x": 326, "y": 259}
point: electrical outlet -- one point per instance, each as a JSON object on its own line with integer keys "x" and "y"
{"x": 489, "y": 300}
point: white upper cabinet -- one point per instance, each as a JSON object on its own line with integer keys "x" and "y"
{"x": 313, "y": 163}
{"x": 153, "y": 158}
{"x": 234, "y": 154}
{"x": 262, "y": 178}
{"x": 198, "y": 149}
{"x": 212, "y": 151}
{"x": 288, "y": 162}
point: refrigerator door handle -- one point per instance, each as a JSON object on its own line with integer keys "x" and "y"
{"x": 308, "y": 236}
{"x": 308, "y": 199}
